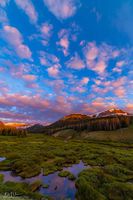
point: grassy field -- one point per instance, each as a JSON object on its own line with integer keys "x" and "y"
{"x": 119, "y": 135}
{"x": 6, "y": 197}
{"x": 112, "y": 164}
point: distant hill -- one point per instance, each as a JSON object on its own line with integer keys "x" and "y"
{"x": 37, "y": 128}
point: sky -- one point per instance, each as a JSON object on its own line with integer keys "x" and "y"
{"x": 59, "y": 57}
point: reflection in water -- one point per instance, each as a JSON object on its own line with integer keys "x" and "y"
{"x": 2, "y": 159}
{"x": 59, "y": 187}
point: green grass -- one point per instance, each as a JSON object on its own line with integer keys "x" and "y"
{"x": 29, "y": 156}
{"x": 67, "y": 174}
{"x": 120, "y": 135}
{"x": 98, "y": 183}
{"x": 11, "y": 190}
{"x": 6, "y": 197}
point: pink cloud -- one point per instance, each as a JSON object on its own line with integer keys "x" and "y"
{"x": 120, "y": 92}
{"x": 119, "y": 66}
{"x": 119, "y": 82}
{"x": 64, "y": 44}
{"x": 54, "y": 70}
{"x": 76, "y": 63}
{"x": 79, "y": 89}
{"x": 91, "y": 52}
{"x": 120, "y": 63}
{"x": 22, "y": 100}
{"x": 97, "y": 57}
{"x": 129, "y": 107}
{"x": 100, "y": 67}
{"x": 85, "y": 81}
{"x": 47, "y": 59}
{"x": 46, "y": 32}
{"x": 14, "y": 38}
{"x": 29, "y": 77}
{"x": 62, "y": 9}
{"x": 46, "y": 29}
{"x": 28, "y": 8}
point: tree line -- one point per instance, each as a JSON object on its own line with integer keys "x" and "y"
{"x": 11, "y": 131}
{"x": 93, "y": 124}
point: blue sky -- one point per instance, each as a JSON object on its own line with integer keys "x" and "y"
{"x": 64, "y": 56}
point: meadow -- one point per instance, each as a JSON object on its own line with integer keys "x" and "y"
{"x": 110, "y": 175}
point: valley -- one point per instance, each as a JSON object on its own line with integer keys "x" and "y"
{"x": 39, "y": 158}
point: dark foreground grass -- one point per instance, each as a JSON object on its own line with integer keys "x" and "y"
{"x": 109, "y": 178}
{"x": 100, "y": 184}
{"x": 20, "y": 191}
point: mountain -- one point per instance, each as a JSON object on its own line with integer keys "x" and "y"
{"x": 1, "y": 124}
{"x": 74, "y": 117}
{"x": 105, "y": 121}
{"x": 112, "y": 112}
{"x": 68, "y": 121}
{"x": 73, "y": 121}
{"x": 37, "y": 128}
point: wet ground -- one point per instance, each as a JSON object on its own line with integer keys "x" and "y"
{"x": 59, "y": 187}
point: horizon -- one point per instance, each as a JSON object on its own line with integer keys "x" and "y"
{"x": 64, "y": 57}
{"x": 24, "y": 124}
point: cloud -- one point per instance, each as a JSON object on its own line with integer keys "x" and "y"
{"x": 29, "y": 77}
{"x": 3, "y": 3}
{"x": 14, "y": 38}
{"x": 46, "y": 32}
{"x": 120, "y": 63}
{"x": 98, "y": 56}
{"x": 3, "y": 17}
{"x": 64, "y": 44}
{"x": 28, "y": 8}
{"x": 56, "y": 85}
{"x": 62, "y": 9}
{"x": 91, "y": 52}
{"x": 46, "y": 29}
{"x": 54, "y": 70}
{"x": 48, "y": 59}
{"x": 129, "y": 107}
{"x": 76, "y": 63}
{"x": 120, "y": 92}
{"x": 100, "y": 66}
{"x": 85, "y": 81}
{"x": 78, "y": 89}
{"x": 119, "y": 66}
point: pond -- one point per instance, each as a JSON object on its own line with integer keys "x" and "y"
{"x": 59, "y": 187}
{"x": 2, "y": 159}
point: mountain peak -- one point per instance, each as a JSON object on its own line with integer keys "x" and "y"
{"x": 75, "y": 116}
{"x": 112, "y": 111}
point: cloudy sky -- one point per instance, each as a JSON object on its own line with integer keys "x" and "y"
{"x": 64, "y": 56}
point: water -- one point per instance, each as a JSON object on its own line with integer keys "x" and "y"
{"x": 60, "y": 188}
{"x": 2, "y": 159}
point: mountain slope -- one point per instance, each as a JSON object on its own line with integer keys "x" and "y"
{"x": 106, "y": 121}
{"x": 37, "y": 128}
